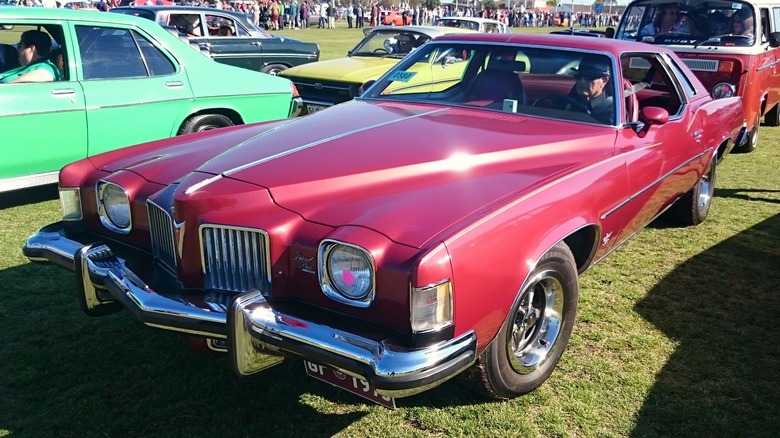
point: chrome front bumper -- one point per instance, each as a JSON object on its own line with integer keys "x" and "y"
{"x": 258, "y": 336}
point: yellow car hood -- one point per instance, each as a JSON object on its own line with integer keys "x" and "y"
{"x": 356, "y": 69}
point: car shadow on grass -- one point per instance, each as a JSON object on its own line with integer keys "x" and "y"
{"x": 63, "y": 373}
{"x": 28, "y": 196}
{"x": 721, "y": 307}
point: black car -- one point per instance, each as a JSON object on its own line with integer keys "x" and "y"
{"x": 230, "y": 37}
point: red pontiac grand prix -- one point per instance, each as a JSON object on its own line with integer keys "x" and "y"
{"x": 436, "y": 226}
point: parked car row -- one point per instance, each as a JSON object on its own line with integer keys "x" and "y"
{"x": 125, "y": 81}
{"x": 434, "y": 226}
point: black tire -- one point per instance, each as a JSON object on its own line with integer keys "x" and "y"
{"x": 534, "y": 334}
{"x": 273, "y": 69}
{"x": 204, "y": 122}
{"x": 694, "y": 206}
{"x": 772, "y": 117}
{"x": 752, "y": 141}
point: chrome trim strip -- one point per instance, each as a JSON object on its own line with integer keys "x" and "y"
{"x": 654, "y": 183}
{"x": 771, "y": 64}
{"x": 161, "y": 231}
{"x": 394, "y": 371}
{"x": 328, "y": 139}
{"x": 22, "y": 182}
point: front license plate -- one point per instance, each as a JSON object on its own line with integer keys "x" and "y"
{"x": 311, "y": 109}
{"x": 348, "y": 383}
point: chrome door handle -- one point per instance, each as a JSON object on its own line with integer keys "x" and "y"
{"x": 174, "y": 84}
{"x": 63, "y": 92}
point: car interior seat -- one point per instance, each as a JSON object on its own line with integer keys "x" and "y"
{"x": 9, "y": 57}
{"x": 497, "y": 83}
{"x": 56, "y": 56}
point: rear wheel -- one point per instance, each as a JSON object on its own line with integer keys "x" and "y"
{"x": 204, "y": 122}
{"x": 273, "y": 69}
{"x": 535, "y": 333}
{"x": 752, "y": 141}
{"x": 694, "y": 206}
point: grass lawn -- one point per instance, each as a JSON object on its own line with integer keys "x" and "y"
{"x": 675, "y": 337}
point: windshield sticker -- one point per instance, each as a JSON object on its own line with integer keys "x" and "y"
{"x": 402, "y": 76}
{"x": 736, "y": 6}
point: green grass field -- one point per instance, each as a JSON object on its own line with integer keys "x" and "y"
{"x": 676, "y": 336}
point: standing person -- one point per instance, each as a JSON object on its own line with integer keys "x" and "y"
{"x": 350, "y": 16}
{"x": 359, "y": 13}
{"x": 305, "y": 10}
{"x": 374, "y": 14}
{"x": 34, "y": 46}
{"x": 323, "y": 15}
{"x": 256, "y": 13}
{"x": 274, "y": 15}
{"x": 294, "y": 15}
{"x": 331, "y": 16}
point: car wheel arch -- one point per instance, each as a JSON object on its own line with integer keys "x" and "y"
{"x": 233, "y": 115}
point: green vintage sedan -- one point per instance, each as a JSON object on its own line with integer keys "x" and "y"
{"x": 125, "y": 80}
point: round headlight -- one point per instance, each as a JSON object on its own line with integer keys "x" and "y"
{"x": 116, "y": 205}
{"x": 722, "y": 90}
{"x": 350, "y": 272}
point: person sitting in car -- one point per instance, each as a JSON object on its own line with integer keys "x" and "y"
{"x": 742, "y": 23}
{"x": 665, "y": 21}
{"x": 590, "y": 90}
{"x": 34, "y": 47}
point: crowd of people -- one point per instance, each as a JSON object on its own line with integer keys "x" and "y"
{"x": 295, "y": 14}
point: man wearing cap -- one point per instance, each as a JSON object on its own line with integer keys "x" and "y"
{"x": 589, "y": 91}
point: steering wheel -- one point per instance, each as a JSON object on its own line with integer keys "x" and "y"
{"x": 560, "y": 101}
{"x": 380, "y": 50}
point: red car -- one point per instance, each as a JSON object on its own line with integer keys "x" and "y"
{"x": 434, "y": 227}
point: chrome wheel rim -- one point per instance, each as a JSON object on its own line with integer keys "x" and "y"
{"x": 706, "y": 190}
{"x": 537, "y": 322}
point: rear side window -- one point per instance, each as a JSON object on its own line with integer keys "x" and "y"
{"x": 111, "y": 53}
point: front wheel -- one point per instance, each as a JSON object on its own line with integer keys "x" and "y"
{"x": 534, "y": 334}
{"x": 204, "y": 122}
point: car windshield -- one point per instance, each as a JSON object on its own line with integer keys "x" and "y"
{"x": 390, "y": 42}
{"x": 693, "y": 23}
{"x": 510, "y": 78}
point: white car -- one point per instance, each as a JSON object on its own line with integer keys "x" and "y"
{"x": 484, "y": 25}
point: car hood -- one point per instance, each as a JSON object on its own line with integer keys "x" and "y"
{"x": 356, "y": 69}
{"x": 410, "y": 172}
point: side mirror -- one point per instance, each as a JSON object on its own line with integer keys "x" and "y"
{"x": 649, "y": 116}
{"x": 774, "y": 39}
{"x": 366, "y": 85}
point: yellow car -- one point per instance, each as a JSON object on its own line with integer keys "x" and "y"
{"x": 325, "y": 83}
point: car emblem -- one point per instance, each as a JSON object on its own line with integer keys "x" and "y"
{"x": 318, "y": 86}
{"x": 304, "y": 263}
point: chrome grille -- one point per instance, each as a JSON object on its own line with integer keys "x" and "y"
{"x": 161, "y": 229}
{"x": 235, "y": 259}
{"x": 701, "y": 64}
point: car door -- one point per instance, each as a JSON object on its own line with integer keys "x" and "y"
{"x": 43, "y": 124}
{"x": 134, "y": 89}
{"x": 666, "y": 158}
{"x": 240, "y": 48}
